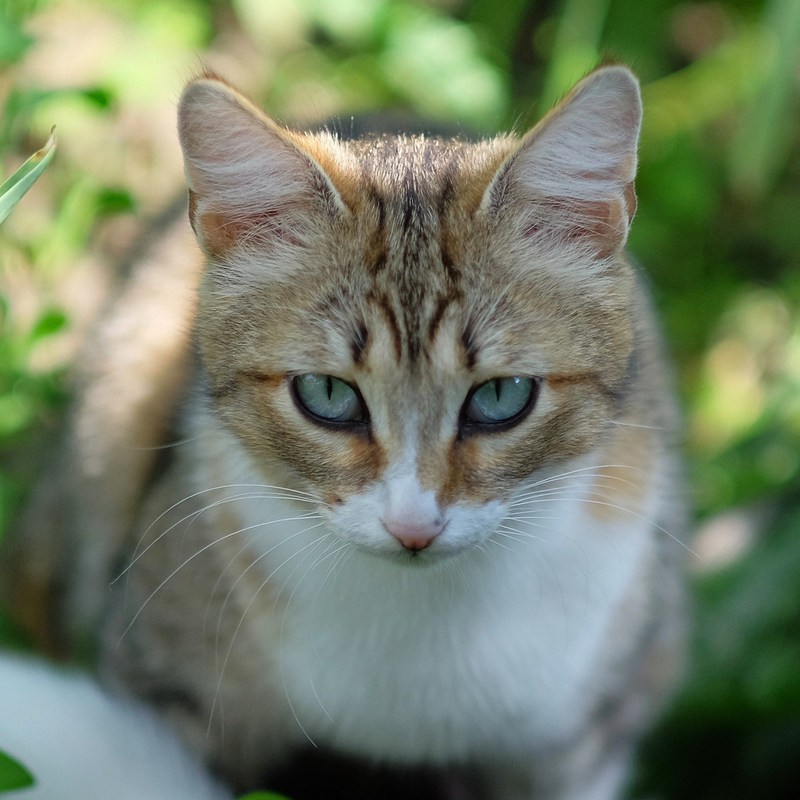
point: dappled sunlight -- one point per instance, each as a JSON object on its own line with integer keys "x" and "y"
{"x": 747, "y": 404}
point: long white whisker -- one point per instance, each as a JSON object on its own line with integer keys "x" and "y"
{"x": 221, "y": 575}
{"x": 168, "y": 445}
{"x": 342, "y": 552}
{"x": 644, "y": 519}
{"x": 252, "y": 564}
{"x": 532, "y": 491}
{"x": 636, "y": 425}
{"x": 515, "y": 533}
{"x": 581, "y": 471}
{"x": 197, "y": 553}
{"x": 261, "y": 495}
{"x": 314, "y": 543}
{"x": 335, "y": 550}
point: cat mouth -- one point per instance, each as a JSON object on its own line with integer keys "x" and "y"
{"x": 410, "y": 558}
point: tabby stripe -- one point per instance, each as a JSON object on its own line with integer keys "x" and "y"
{"x": 359, "y": 344}
{"x": 450, "y": 268}
{"x": 376, "y": 259}
{"x": 445, "y": 238}
{"x": 471, "y": 350}
{"x": 411, "y": 207}
{"x": 385, "y": 307}
{"x": 438, "y": 314}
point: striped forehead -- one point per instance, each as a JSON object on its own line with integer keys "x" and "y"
{"x": 414, "y": 281}
{"x": 404, "y": 283}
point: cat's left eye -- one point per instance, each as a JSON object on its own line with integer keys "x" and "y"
{"x": 328, "y": 400}
{"x": 500, "y": 401}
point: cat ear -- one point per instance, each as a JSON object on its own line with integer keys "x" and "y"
{"x": 248, "y": 178}
{"x": 571, "y": 178}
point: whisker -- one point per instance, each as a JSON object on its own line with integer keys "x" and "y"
{"x": 514, "y": 533}
{"x": 199, "y": 552}
{"x": 644, "y": 519}
{"x": 261, "y": 495}
{"x": 334, "y": 549}
{"x": 252, "y": 564}
{"x": 566, "y": 492}
{"x": 234, "y": 635}
{"x": 636, "y": 425}
{"x": 342, "y": 552}
{"x": 582, "y": 472}
{"x": 167, "y": 445}
{"x": 530, "y": 490}
{"x": 500, "y": 544}
{"x": 579, "y": 494}
{"x": 214, "y": 588}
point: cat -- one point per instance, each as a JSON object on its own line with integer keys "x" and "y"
{"x": 80, "y": 743}
{"x": 422, "y": 503}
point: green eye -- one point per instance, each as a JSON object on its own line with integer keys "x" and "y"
{"x": 328, "y": 399}
{"x": 500, "y": 401}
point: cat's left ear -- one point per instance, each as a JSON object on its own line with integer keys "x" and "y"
{"x": 571, "y": 178}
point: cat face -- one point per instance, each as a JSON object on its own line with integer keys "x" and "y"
{"x": 413, "y": 329}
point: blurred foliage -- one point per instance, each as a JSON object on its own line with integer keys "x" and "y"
{"x": 735, "y": 731}
{"x": 717, "y": 228}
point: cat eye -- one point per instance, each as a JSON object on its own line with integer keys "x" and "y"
{"x": 500, "y": 402}
{"x": 328, "y": 400}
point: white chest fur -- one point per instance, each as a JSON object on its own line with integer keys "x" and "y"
{"x": 491, "y": 652}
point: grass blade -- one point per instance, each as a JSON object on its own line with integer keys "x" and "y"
{"x": 12, "y": 191}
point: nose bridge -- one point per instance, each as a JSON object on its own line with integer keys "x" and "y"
{"x": 411, "y": 513}
{"x": 434, "y": 441}
{"x": 407, "y": 499}
{"x": 406, "y": 493}
{"x": 413, "y": 426}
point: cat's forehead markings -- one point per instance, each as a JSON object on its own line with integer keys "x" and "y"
{"x": 442, "y": 305}
{"x": 470, "y": 347}
{"x": 358, "y": 345}
{"x": 383, "y": 306}
{"x": 375, "y": 256}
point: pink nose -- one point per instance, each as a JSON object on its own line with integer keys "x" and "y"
{"x": 412, "y": 535}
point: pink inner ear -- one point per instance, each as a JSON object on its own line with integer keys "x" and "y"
{"x": 571, "y": 179}
{"x": 604, "y": 223}
{"x": 220, "y": 231}
{"x": 251, "y": 181}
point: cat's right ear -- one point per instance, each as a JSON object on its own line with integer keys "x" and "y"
{"x": 249, "y": 180}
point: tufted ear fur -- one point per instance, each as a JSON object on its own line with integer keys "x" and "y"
{"x": 248, "y": 178}
{"x": 571, "y": 177}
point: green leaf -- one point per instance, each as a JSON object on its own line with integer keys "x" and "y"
{"x": 12, "y": 191}
{"x": 13, "y": 775}
{"x": 263, "y": 796}
{"x": 14, "y": 42}
{"x": 51, "y": 321}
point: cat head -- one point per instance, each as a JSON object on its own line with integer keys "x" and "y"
{"x": 413, "y": 328}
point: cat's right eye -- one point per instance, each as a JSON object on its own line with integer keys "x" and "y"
{"x": 328, "y": 400}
